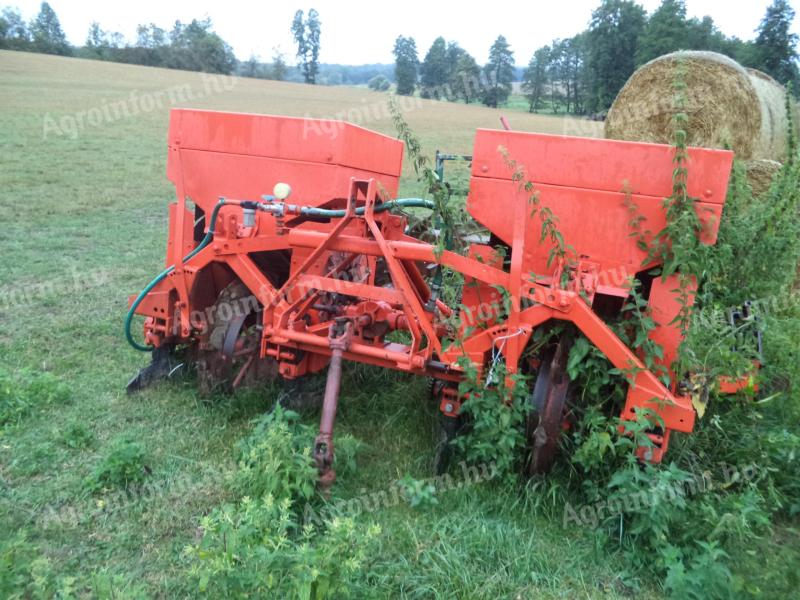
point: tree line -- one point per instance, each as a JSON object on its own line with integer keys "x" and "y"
{"x": 449, "y": 72}
{"x": 580, "y": 75}
{"x": 584, "y": 73}
{"x": 193, "y": 46}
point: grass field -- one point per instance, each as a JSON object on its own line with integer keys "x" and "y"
{"x": 84, "y": 225}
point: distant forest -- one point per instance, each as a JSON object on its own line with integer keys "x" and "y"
{"x": 193, "y": 46}
{"x": 579, "y": 75}
{"x": 584, "y": 73}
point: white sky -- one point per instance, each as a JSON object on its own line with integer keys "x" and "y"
{"x": 364, "y": 32}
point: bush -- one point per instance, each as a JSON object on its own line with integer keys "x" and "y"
{"x": 379, "y": 83}
{"x": 123, "y": 466}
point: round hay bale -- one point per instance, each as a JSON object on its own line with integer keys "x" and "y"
{"x": 771, "y": 143}
{"x": 727, "y": 106}
{"x": 760, "y": 173}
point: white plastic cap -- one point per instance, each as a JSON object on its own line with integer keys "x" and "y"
{"x": 281, "y": 191}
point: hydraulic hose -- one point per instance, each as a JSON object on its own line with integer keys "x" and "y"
{"x": 160, "y": 277}
{"x": 309, "y": 211}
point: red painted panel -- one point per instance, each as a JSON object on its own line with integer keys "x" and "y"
{"x": 288, "y": 138}
{"x": 595, "y": 223}
{"x": 597, "y": 164}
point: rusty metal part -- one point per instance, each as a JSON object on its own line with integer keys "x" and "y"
{"x": 228, "y": 352}
{"x": 339, "y": 338}
{"x": 232, "y": 336}
{"x": 545, "y": 421}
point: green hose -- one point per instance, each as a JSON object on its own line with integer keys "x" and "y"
{"x": 160, "y": 277}
{"x": 314, "y": 212}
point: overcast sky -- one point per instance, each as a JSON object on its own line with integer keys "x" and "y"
{"x": 364, "y": 32}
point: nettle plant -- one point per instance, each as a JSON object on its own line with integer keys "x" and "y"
{"x": 683, "y": 537}
{"x": 275, "y": 459}
{"x": 123, "y": 466}
{"x": 448, "y": 217}
{"x": 561, "y": 252}
{"x": 598, "y": 383}
{"x": 257, "y": 548}
{"x": 496, "y": 412}
{"x": 258, "y": 545}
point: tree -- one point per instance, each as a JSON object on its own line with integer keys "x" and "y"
{"x": 100, "y": 44}
{"x": 299, "y": 33}
{"x": 499, "y": 72}
{"x": 454, "y": 53}
{"x": 611, "y": 49}
{"x": 434, "y": 72}
{"x": 704, "y": 35}
{"x": 465, "y": 79}
{"x": 379, "y": 83}
{"x": 115, "y": 39}
{"x": 306, "y": 34}
{"x": 46, "y": 33}
{"x": 534, "y": 79}
{"x": 455, "y": 85}
{"x": 573, "y": 72}
{"x": 96, "y": 38}
{"x": 14, "y": 33}
{"x": 150, "y": 36}
{"x": 251, "y": 67}
{"x": 556, "y": 74}
{"x": 775, "y": 44}
{"x": 151, "y": 48}
{"x": 667, "y": 30}
{"x": 195, "y": 47}
{"x": 279, "y": 68}
{"x": 406, "y": 64}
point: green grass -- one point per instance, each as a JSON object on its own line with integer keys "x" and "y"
{"x": 519, "y": 103}
{"x": 95, "y": 206}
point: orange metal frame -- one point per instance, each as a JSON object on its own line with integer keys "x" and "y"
{"x": 588, "y": 184}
